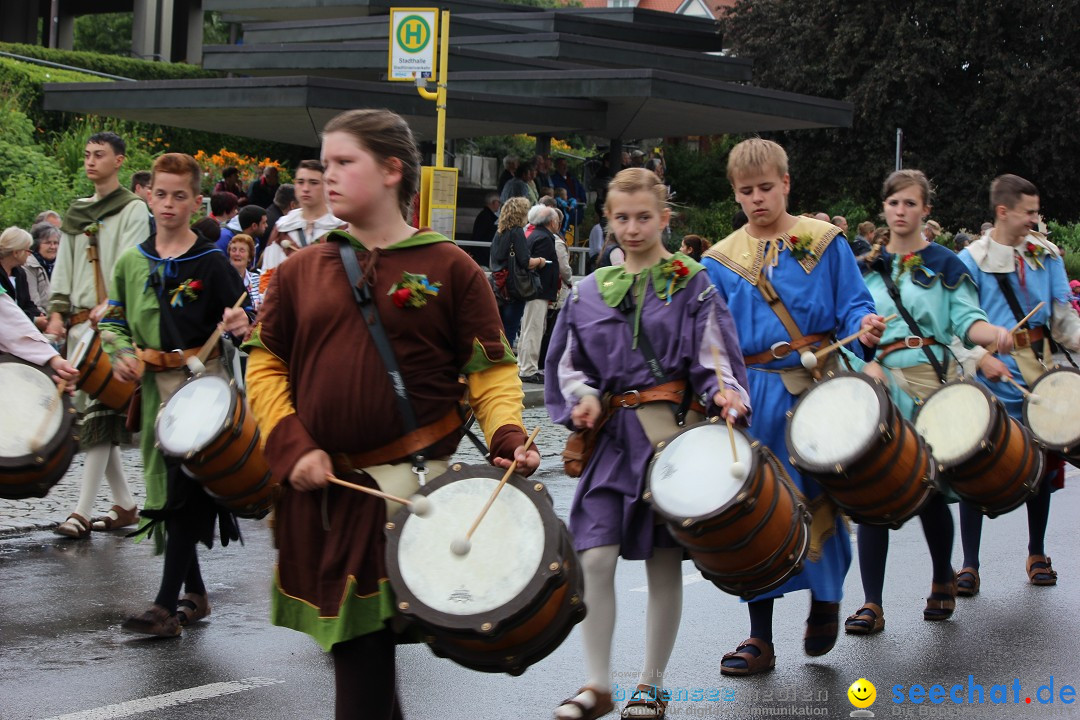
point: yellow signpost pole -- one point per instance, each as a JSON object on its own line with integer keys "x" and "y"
{"x": 439, "y": 96}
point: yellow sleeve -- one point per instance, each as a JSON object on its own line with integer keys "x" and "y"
{"x": 496, "y": 398}
{"x": 268, "y": 390}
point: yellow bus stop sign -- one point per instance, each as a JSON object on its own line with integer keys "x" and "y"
{"x": 413, "y": 41}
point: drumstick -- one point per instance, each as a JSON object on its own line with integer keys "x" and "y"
{"x": 38, "y": 442}
{"x": 737, "y": 469}
{"x": 204, "y": 352}
{"x": 810, "y": 359}
{"x": 461, "y": 546}
{"x": 418, "y": 505}
{"x": 1024, "y": 391}
{"x": 993, "y": 346}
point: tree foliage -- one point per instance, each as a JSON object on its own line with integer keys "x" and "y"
{"x": 979, "y": 88}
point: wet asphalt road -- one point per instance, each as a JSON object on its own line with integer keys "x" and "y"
{"x": 62, "y": 653}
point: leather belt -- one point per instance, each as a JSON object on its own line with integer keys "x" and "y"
{"x": 784, "y": 348}
{"x": 671, "y": 392}
{"x": 417, "y": 440}
{"x": 79, "y": 317}
{"x": 911, "y": 342}
{"x": 160, "y": 361}
{"x": 1024, "y": 337}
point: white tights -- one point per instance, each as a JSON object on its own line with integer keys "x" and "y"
{"x": 103, "y": 460}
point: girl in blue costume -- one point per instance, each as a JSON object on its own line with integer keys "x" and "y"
{"x": 596, "y": 359}
{"x": 938, "y": 292}
{"x": 818, "y": 282}
{"x": 1032, "y": 267}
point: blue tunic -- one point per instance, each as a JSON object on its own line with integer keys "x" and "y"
{"x": 831, "y": 298}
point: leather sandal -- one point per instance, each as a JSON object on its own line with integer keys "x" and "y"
{"x": 601, "y": 706}
{"x": 967, "y": 582}
{"x": 862, "y": 623}
{"x": 817, "y": 631}
{"x": 764, "y": 661}
{"x": 940, "y": 608}
{"x": 192, "y": 608}
{"x": 648, "y": 701}
{"x": 1045, "y": 575}
{"x": 116, "y": 518}
{"x": 76, "y": 526}
{"x": 156, "y": 621}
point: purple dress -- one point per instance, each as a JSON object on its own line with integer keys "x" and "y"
{"x": 591, "y": 352}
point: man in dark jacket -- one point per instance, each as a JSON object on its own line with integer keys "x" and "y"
{"x": 483, "y": 229}
{"x": 541, "y": 245}
{"x": 261, "y": 191}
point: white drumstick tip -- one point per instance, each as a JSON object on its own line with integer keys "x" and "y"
{"x": 460, "y": 546}
{"x": 419, "y": 505}
{"x": 195, "y": 365}
{"x": 1034, "y": 399}
{"x": 738, "y": 470}
{"x": 809, "y": 360}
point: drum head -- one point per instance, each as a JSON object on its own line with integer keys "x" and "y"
{"x": 1055, "y": 418}
{"x": 195, "y": 415}
{"x": 32, "y": 411}
{"x": 78, "y": 355}
{"x": 507, "y": 548}
{"x": 835, "y": 421}
{"x": 954, "y": 420}
{"x": 691, "y": 476}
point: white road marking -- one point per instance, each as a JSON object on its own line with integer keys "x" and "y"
{"x": 694, "y": 577}
{"x": 159, "y": 702}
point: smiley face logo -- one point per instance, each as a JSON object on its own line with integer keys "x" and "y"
{"x": 862, "y": 693}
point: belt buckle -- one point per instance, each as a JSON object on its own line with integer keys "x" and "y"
{"x": 780, "y": 350}
{"x": 636, "y": 396}
{"x": 1022, "y": 338}
{"x": 913, "y": 342}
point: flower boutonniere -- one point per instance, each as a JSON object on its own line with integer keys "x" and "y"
{"x": 188, "y": 289}
{"x": 92, "y": 229}
{"x": 672, "y": 271}
{"x": 909, "y": 262}
{"x": 1036, "y": 251}
{"x": 801, "y": 247}
{"x": 413, "y": 290}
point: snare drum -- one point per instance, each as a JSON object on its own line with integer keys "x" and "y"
{"x": 513, "y": 598}
{"x": 989, "y": 459}
{"x": 846, "y": 434}
{"x": 1055, "y": 419}
{"x": 207, "y": 424}
{"x": 96, "y": 378}
{"x": 747, "y": 536}
{"x": 33, "y": 416}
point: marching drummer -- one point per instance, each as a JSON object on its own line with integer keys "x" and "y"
{"x": 790, "y": 286}
{"x": 320, "y": 385}
{"x": 19, "y": 337}
{"x": 936, "y": 299}
{"x": 1015, "y": 269}
{"x": 171, "y": 291}
{"x": 632, "y": 349}
{"x": 96, "y": 231}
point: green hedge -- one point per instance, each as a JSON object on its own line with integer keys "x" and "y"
{"x": 113, "y": 64}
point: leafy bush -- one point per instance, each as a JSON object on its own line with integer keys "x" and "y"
{"x": 712, "y": 222}
{"x": 112, "y": 64}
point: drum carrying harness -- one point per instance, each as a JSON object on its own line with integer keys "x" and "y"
{"x": 1018, "y": 313}
{"x": 894, "y": 292}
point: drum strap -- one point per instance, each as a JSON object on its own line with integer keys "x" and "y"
{"x": 776, "y": 304}
{"x": 626, "y": 309}
{"x": 894, "y": 292}
{"x": 1018, "y": 313}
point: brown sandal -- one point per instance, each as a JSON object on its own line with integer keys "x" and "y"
{"x": 598, "y": 709}
{"x": 76, "y": 526}
{"x": 862, "y": 624}
{"x": 651, "y": 700}
{"x": 967, "y": 582}
{"x": 755, "y": 664}
{"x": 1045, "y": 575}
{"x": 192, "y": 608}
{"x": 116, "y": 518}
{"x": 817, "y": 631}
{"x": 156, "y": 621}
{"x": 940, "y": 608}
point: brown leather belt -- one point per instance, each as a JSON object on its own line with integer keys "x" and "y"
{"x": 911, "y": 342}
{"x": 160, "y": 361}
{"x": 784, "y": 348}
{"x": 1024, "y": 337}
{"x": 418, "y": 439}
{"x": 671, "y": 392}
{"x": 79, "y": 317}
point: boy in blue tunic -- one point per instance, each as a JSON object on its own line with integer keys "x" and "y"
{"x": 1011, "y": 259}
{"x": 789, "y": 287}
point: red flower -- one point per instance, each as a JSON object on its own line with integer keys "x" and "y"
{"x": 907, "y": 258}
{"x": 680, "y": 269}
{"x": 195, "y": 284}
{"x": 401, "y": 297}
{"x": 1031, "y": 247}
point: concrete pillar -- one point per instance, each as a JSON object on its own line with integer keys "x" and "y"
{"x": 193, "y": 51}
{"x": 166, "y": 19}
{"x": 144, "y": 29}
{"x": 65, "y": 31}
{"x": 616, "y": 155}
{"x": 543, "y": 144}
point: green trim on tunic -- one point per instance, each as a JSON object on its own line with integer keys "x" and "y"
{"x": 421, "y": 237}
{"x": 357, "y": 615}
{"x": 480, "y": 360}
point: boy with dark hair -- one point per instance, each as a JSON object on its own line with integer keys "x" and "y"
{"x": 145, "y": 323}
{"x": 223, "y": 207}
{"x": 303, "y": 226}
{"x": 251, "y": 220}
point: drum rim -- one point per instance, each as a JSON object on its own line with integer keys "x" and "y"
{"x": 751, "y": 472}
{"x": 64, "y": 432}
{"x": 91, "y": 339}
{"x": 1062, "y": 448}
{"x": 997, "y": 409}
{"x": 506, "y": 613}
{"x": 226, "y": 423}
{"x": 884, "y": 420}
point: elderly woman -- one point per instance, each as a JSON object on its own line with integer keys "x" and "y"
{"x": 533, "y": 321}
{"x": 39, "y": 266}
{"x": 510, "y": 238}
{"x": 15, "y": 244}
{"x": 241, "y": 256}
